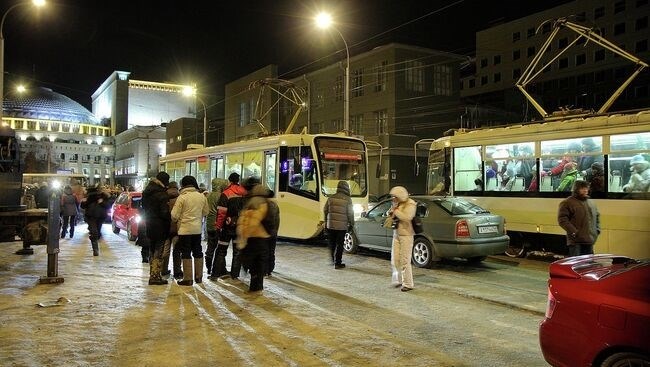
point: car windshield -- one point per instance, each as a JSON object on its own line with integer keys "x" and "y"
{"x": 458, "y": 206}
{"x": 136, "y": 202}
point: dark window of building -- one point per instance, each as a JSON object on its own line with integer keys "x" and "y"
{"x": 641, "y": 23}
{"x": 462, "y": 85}
{"x": 641, "y": 46}
{"x": 599, "y": 76}
{"x": 563, "y": 63}
{"x": 562, "y": 43}
{"x": 497, "y": 59}
{"x": 483, "y": 63}
{"x": 599, "y": 12}
{"x": 620, "y": 73}
{"x": 484, "y": 80}
{"x": 619, "y": 6}
{"x": 357, "y": 83}
{"x": 516, "y": 54}
{"x": 530, "y": 32}
{"x": 380, "y": 74}
{"x": 580, "y": 17}
{"x": 581, "y": 79}
{"x": 338, "y": 88}
{"x": 516, "y": 36}
{"x": 619, "y": 29}
{"x": 530, "y": 51}
{"x": 516, "y": 73}
{"x": 599, "y": 55}
{"x": 472, "y": 83}
{"x": 581, "y": 59}
{"x": 640, "y": 3}
{"x": 62, "y": 156}
{"x": 546, "y": 27}
{"x": 641, "y": 91}
{"x": 563, "y": 83}
{"x": 497, "y": 77}
{"x": 623, "y": 47}
{"x": 602, "y": 31}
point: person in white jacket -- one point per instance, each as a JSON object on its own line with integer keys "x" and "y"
{"x": 402, "y": 212}
{"x": 190, "y": 208}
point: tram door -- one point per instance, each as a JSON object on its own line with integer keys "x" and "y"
{"x": 270, "y": 169}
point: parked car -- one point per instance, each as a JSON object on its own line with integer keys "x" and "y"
{"x": 373, "y": 199}
{"x": 126, "y": 214}
{"x": 598, "y": 312}
{"x": 453, "y": 227}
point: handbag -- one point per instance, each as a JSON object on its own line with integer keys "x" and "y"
{"x": 388, "y": 222}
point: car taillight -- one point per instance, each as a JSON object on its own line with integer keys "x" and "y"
{"x": 550, "y": 304}
{"x": 462, "y": 229}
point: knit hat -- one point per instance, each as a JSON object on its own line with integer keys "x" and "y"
{"x": 163, "y": 177}
{"x": 234, "y": 177}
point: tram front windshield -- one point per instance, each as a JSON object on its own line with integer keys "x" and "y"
{"x": 342, "y": 160}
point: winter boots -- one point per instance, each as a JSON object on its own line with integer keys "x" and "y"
{"x": 95, "y": 245}
{"x": 198, "y": 269}
{"x": 154, "y": 272}
{"x": 187, "y": 272}
{"x": 176, "y": 265}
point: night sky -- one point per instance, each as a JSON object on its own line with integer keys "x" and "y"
{"x": 72, "y": 46}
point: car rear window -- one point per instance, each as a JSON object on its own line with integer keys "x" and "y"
{"x": 605, "y": 267}
{"x": 456, "y": 206}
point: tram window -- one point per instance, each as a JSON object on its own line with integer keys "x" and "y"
{"x": 510, "y": 167}
{"x": 629, "y": 170}
{"x": 567, "y": 160}
{"x": 252, "y": 165}
{"x": 298, "y": 171}
{"x": 467, "y": 167}
{"x": 233, "y": 163}
{"x": 216, "y": 167}
{"x": 342, "y": 160}
{"x": 270, "y": 171}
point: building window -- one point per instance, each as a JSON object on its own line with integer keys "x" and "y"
{"x": 516, "y": 73}
{"x": 563, "y": 83}
{"x": 563, "y": 63}
{"x": 243, "y": 114}
{"x": 516, "y": 54}
{"x": 497, "y": 59}
{"x": 599, "y": 76}
{"x": 562, "y": 43}
{"x": 641, "y": 91}
{"x": 483, "y": 63}
{"x": 381, "y": 121}
{"x": 546, "y": 27}
{"x": 472, "y": 83}
{"x": 530, "y": 32}
{"x": 599, "y": 12}
{"x": 338, "y": 88}
{"x": 599, "y": 55}
{"x": 336, "y": 125}
{"x": 380, "y": 86}
{"x": 356, "y": 124}
{"x": 581, "y": 79}
{"x": 530, "y": 51}
{"x": 619, "y": 6}
{"x": 496, "y": 77}
{"x": 357, "y": 83}
{"x": 442, "y": 80}
{"x": 619, "y": 29}
{"x": 641, "y": 46}
{"x": 484, "y": 80}
{"x": 581, "y": 59}
{"x": 415, "y": 76}
{"x": 319, "y": 127}
{"x": 319, "y": 98}
{"x": 641, "y": 23}
{"x": 516, "y": 36}
{"x": 640, "y": 3}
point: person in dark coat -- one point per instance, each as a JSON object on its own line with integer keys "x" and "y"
{"x": 339, "y": 218}
{"x": 42, "y": 196}
{"x": 580, "y": 218}
{"x": 69, "y": 211}
{"x": 157, "y": 214}
{"x": 273, "y": 220}
{"x": 95, "y": 212}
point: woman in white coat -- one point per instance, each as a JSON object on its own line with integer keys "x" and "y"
{"x": 402, "y": 212}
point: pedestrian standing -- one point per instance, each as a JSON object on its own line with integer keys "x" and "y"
{"x": 226, "y": 225}
{"x": 170, "y": 248}
{"x": 157, "y": 216}
{"x": 339, "y": 218}
{"x": 218, "y": 185}
{"x": 402, "y": 212}
{"x": 273, "y": 226}
{"x": 69, "y": 211}
{"x": 189, "y": 210}
{"x": 579, "y": 217}
{"x": 252, "y": 236}
{"x": 95, "y": 212}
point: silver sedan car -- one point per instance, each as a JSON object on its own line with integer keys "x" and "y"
{"x": 453, "y": 228}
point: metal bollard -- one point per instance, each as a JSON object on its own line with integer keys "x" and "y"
{"x": 53, "y": 228}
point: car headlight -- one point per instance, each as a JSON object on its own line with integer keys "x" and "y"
{"x": 138, "y": 218}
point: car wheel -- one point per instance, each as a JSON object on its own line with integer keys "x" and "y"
{"x": 129, "y": 235}
{"x": 350, "y": 244}
{"x": 115, "y": 229}
{"x": 423, "y": 254}
{"x": 475, "y": 259}
{"x": 625, "y": 359}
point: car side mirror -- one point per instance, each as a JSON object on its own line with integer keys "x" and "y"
{"x": 364, "y": 215}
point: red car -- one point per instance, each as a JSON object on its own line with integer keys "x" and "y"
{"x": 126, "y": 214}
{"x": 598, "y": 312}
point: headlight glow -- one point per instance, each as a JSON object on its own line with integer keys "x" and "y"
{"x": 138, "y": 218}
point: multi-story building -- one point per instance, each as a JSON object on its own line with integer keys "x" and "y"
{"x": 398, "y": 95}
{"x": 136, "y": 154}
{"x": 583, "y": 77}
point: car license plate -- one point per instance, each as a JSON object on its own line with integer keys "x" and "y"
{"x": 487, "y": 229}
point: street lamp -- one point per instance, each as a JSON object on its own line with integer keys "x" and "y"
{"x": 324, "y": 21}
{"x": 37, "y": 3}
{"x": 189, "y": 91}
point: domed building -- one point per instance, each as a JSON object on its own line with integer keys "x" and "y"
{"x": 58, "y": 134}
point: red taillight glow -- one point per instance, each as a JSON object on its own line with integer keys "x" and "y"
{"x": 462, "y": 229}
{"x": 550, "y": 304}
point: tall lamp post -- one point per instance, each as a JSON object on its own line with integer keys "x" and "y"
{"x": 191, "y": 92}
{"x": 37, "y": 3}
{"x": 324, "y": 21}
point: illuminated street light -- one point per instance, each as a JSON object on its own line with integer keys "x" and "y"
{"x": 324, "y": 21}
{"x": 37, "y": 3}
{"x": 191, "y": 92}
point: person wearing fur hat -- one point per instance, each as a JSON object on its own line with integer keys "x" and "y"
{"x": 155, "y": 205}
{"x": 580, "y": 218}
{"x": 640, "y": 178}
{"x": 190, "y": 208}
{"x": 402, "y": 213}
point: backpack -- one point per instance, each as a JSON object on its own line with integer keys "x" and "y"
{"x": 416, "y": 222}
